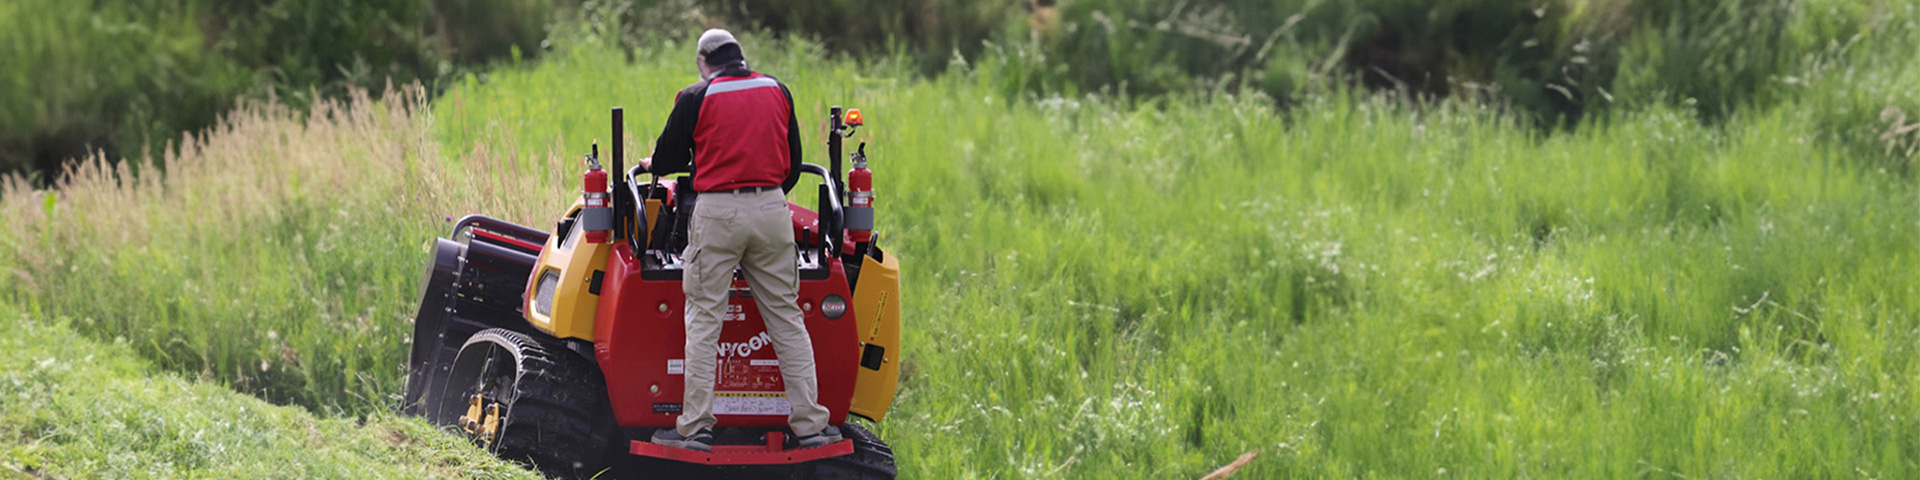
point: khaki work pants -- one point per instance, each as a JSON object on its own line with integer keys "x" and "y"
{"x": 754, "y": 231}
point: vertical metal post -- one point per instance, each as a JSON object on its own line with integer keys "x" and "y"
{"x": 621, "y": 209}
{"x": 833, "y": 151}
{"x": 619, "y": 145}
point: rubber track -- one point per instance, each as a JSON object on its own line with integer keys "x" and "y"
{"x": 559, "y": 420}
{"x": 872, "y": 459}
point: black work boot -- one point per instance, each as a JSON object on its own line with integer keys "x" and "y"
{"x": 701, "y": 440}
{"x": 826, "y": 436}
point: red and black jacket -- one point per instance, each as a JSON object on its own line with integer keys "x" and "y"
{"x": 735, "y": 130}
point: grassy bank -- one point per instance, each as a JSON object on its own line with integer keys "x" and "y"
{"x": 1100, "y": 287}
{"x": 278, "y": 255}
{"x": 73, "y": 407}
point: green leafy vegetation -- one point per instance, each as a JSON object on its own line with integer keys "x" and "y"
{"x": 1558, "y": 62}
{"x": 1109, "y": 285}
{"x": 130, "y": 77}
{"x": 81, "y": 78}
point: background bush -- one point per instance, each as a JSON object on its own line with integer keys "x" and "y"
{"x": 930, "y": 29}
{"x": 120, "y": 76}
{"x": 126, "y": 77}
{"x": 107, "y": 77}
{"x": 1556, "y": 61}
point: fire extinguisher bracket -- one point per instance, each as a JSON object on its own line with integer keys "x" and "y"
{"x": 859, "y": 218}
{"x": 601, "y": 219}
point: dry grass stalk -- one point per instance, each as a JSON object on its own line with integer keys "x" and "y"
{"x": 356, "y": 154}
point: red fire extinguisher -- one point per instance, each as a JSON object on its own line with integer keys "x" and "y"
{"x": 597, "y": 216}
{"x": 860, "y": 199}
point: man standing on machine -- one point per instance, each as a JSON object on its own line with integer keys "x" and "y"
{"x": 737, "y": 132}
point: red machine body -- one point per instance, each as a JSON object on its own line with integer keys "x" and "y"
{"x": 494, "y": 358}
{"x": 749, "y": 391}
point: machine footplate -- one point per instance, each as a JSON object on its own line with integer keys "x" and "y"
{"x": 771, "y": 453}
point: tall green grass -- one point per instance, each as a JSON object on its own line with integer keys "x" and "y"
{"x": 1106, "y": 287}
{"x": 276, "y": 255}
{"x": 1355, "y": 287}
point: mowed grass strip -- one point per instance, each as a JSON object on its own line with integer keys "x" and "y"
{"x": 72, "y": 407}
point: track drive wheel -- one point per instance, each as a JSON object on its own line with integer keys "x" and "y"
{"x": 872, "y": 459}
{"x": 529, "y": 403}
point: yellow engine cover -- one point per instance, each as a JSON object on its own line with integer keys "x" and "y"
{"x": 561, "y": 296}
{"x": 876, "y": 304}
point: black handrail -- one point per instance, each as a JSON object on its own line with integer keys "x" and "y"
{"x": 830, "y": 229}
{"x": 837, "y": 211}
{"x": 498, "y": 226}
{"x": 639, "y": 208}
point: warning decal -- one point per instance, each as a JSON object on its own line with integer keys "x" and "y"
{"x": 751, "y": 403}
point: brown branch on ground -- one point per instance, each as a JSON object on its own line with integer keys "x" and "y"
{"x": 1228, "y": 470}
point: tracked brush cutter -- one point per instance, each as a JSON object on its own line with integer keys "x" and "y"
{"x": 563, "y": 349}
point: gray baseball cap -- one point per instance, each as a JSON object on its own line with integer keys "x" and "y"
{"x": 713, "y": 39}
